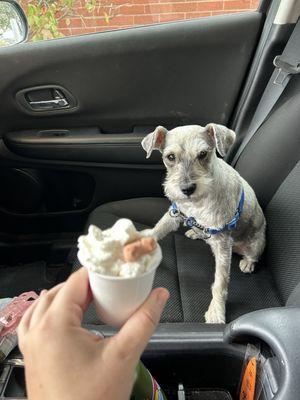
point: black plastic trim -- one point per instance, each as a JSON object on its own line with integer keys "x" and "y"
{"x": 25, "y": 106}
{"x": 79, "y": 144}
{"x": 279, "y": 328}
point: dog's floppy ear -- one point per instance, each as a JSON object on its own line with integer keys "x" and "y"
{"x": 155, "y": 140}
{"x": 222, "y": 137}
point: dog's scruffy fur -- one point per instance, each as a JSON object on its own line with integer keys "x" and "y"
{"x": 208, "y": 189}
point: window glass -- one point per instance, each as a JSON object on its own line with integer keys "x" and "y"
{"x": 50, "y": 19}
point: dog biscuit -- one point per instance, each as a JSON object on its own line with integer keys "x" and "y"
{"x": 133, "y": 251}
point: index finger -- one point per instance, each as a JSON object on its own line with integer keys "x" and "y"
{"x": 73, "y": 298}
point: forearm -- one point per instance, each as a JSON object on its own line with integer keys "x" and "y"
{"x": 165, "y": 225}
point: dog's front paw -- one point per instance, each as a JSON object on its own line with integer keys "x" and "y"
{"x": 247, "y": 266}
{"x": 191, "y": 234}
{"x": 215, "y": 313}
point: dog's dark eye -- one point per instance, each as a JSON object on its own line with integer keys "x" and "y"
{"x": 202, "y": 155}
{"x": 171, "y": 157}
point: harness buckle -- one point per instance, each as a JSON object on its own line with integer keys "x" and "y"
{"x": 206, "y": 232}
{"x": 174, "y": 213}
{"x": 190, "y": 222}
{"x": 284, "y": 69}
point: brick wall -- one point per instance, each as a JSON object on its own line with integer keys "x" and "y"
{"x": 118, "y": 14}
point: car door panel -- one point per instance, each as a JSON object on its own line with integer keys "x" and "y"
{"x": 121, "y": 84}
{"x": 185, "y": 72}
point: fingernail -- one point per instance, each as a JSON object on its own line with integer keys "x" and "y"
{"x": 44, "y": 291}
{"x": 162, "y": 297}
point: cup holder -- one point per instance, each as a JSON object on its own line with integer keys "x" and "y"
{"x": 15, "y": 387}
{"x": 198, "y": 375}
{"x": 12, "y": 380}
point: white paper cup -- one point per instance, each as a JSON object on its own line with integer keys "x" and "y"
{"x": 117, "y": 298}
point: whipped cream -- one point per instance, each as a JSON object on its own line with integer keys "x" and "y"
{"x": 101, "y": 251}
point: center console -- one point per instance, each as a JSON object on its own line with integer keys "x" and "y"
{"x": 205, "y": 362}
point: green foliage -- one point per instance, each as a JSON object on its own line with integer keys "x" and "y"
{"x": 44, "y": 15}
{"x": 42, "y": 20}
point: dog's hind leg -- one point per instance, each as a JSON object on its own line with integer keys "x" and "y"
{"x": 251, "y": 252}
{"x": 222, "y": 249}
{"x": 247, "y": 265}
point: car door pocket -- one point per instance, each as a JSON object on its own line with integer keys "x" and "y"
{"x": 80, "y": 144}
{"x": 46, "y": 99}
{"x": 45, "y": 191}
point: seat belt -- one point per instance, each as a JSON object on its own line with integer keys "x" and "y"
{"x": 286, "y": 65}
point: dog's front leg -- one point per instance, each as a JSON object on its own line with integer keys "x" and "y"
{"x": 222, "y": 249}
{"x": 164, "y": 226}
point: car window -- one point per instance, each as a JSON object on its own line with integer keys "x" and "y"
{"x": 50, "y": 19}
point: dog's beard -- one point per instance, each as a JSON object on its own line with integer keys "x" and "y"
{"x": 173, "y": 182}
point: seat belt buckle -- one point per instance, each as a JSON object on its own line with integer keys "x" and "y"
{"x": 284, "y": 70}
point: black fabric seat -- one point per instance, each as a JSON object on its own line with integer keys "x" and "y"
{"x": 187, "y": 269}
{"x": 270, "y": 163}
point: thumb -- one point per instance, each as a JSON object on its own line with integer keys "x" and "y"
{"x": 137, "y": 331}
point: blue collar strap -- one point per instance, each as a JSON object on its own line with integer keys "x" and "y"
{"x": 191, "y": 221}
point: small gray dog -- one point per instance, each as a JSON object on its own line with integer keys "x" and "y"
{"x": 211, "y": 198}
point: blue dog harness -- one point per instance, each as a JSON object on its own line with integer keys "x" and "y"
{"x": 191, "y": 221}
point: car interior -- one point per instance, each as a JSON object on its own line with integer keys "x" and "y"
{"x": 73, "y": 114}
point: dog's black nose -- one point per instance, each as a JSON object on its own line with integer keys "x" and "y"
{"x": 189, "y": 190}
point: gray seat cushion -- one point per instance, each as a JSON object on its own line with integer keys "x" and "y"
{"x": 187, "y": 269}
{"x": 283, "y": 234}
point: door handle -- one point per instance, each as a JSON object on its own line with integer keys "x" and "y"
{"x": 49, "y": 104}
{"x": 46, "y": 99}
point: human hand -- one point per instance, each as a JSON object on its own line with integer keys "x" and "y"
{"x": 64, "y": 361}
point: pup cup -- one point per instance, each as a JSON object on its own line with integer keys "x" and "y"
{"x": 121, "y": 266}
{"x": 116, "y": 298}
